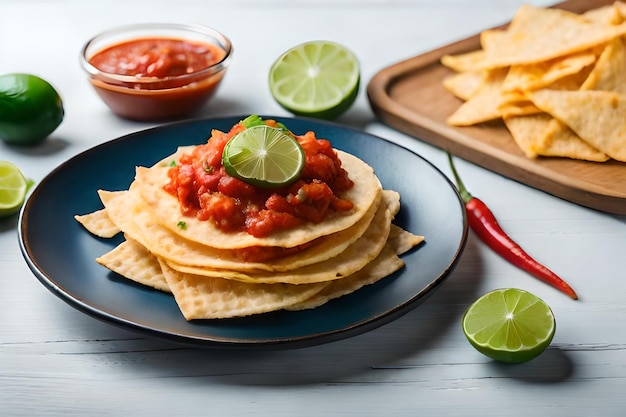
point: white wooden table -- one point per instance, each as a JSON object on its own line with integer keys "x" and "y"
{"x": 55, "y": 360}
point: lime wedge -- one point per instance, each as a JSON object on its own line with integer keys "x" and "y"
{"x": 264, "y": 156}
{"x": 509, "y": 325}
{"x": 13, "y": 188}
{"x": 316, "y": 79}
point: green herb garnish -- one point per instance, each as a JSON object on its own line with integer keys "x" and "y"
{"x": 256, "y": 120}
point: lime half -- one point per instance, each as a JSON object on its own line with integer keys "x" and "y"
{"x": 264, "y": 156}
{"x": 509, "y": 325}
{"x": 13, "y": 188}
{"x": 316, "y": 79}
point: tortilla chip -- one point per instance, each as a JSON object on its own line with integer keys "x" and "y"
{"x": 483, "y": 106}
{"x": 465, "y": 85}
{"x": 516, "y": 104}
{"x": 131, "y": 260}
{"x": 200, "y": 297}
{"x": 526, "y": 39}
{"x": 621, "y": 7}
{"x": 473, "y": 61}
{"x": 542, "y": 135}
{"x": 542, "y": 74}
{"x": 128, "y": 211}
{"x": 609, "y": 15}
{"x": 528, "y": 132}
{"x": 609, "y": 72}
{"x": 352, "y": 259}
{"x": 597, "y": 117}
{"x": 401, "y": 241}
{"x": 391, "y": 199}
{"x": 166, "y": 208}
{"x": 561, "y": 141}
{"x": 384, "y": 265}
{"x": 98, "y": 223}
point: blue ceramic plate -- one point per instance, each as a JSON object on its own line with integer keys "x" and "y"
{"x": 61, "y": 253}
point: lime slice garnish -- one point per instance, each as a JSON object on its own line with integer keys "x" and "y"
{"x": 509, "y": 325}
{"x": 264, "y": 156}
{"x": 13, "y": 188}
{"x": 316, "y": 79}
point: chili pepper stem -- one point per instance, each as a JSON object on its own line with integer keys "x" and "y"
{"x": 485, "y": 225}
{"x": 465, "y": 195}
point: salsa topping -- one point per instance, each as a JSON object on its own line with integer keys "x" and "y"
{"x": 205, "y": 190}
{"x": 157, "y": 57}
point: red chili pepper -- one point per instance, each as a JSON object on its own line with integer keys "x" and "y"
{"x": 482, "y": 221}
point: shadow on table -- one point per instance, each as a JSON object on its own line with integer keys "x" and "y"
{"x": 50, "y": 146}
{"x": 407, "y": 342}
{"x": 550, "y": 367}
{"x": 8, "y": 223}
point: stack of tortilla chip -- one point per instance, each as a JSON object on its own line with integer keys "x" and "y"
{"x": 202, "y": 266}
{"x": 557, "y": 79}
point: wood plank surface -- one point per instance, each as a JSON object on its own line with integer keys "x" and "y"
{"x": 56, "y": 361}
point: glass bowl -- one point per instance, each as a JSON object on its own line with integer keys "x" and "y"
{"x": 156, "y": 71}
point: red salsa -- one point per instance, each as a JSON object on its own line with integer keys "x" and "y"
{"x": 204, "y": 189}
{"x": 166, "y": 77}
{"x": 157, "y": 57}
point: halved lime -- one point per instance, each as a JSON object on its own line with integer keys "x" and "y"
{"x": 316, "y": 79}
{"x": 13, "y": 188}
{"x": 264, "y": 156}
{"x": 509, "y": 325}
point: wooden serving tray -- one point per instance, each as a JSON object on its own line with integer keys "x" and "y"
{"x": 409, "y": 96}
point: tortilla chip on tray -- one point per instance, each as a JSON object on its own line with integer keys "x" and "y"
{"x": 483, "y": 106}
{"x": 206, "y": 275}
{"x": 596, "y": 116}
{"x": 473, "y": 61}
{"x": 612, "y": 14}
{"x": 543, "y": 74}
{"x": 529, "y": 132}
{"x": 541, "y": 34}
{"x": 541, "y": 134}
{"x": 465, "y": 85}
{"x": 548, "y": 56}
{"x": 562, "y": 141}
{"x": 609, "y": 72}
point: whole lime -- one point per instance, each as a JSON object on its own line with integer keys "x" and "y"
{"x": 30, "y": 109}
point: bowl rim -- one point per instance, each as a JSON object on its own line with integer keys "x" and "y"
{"x": 107, "y": 77}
